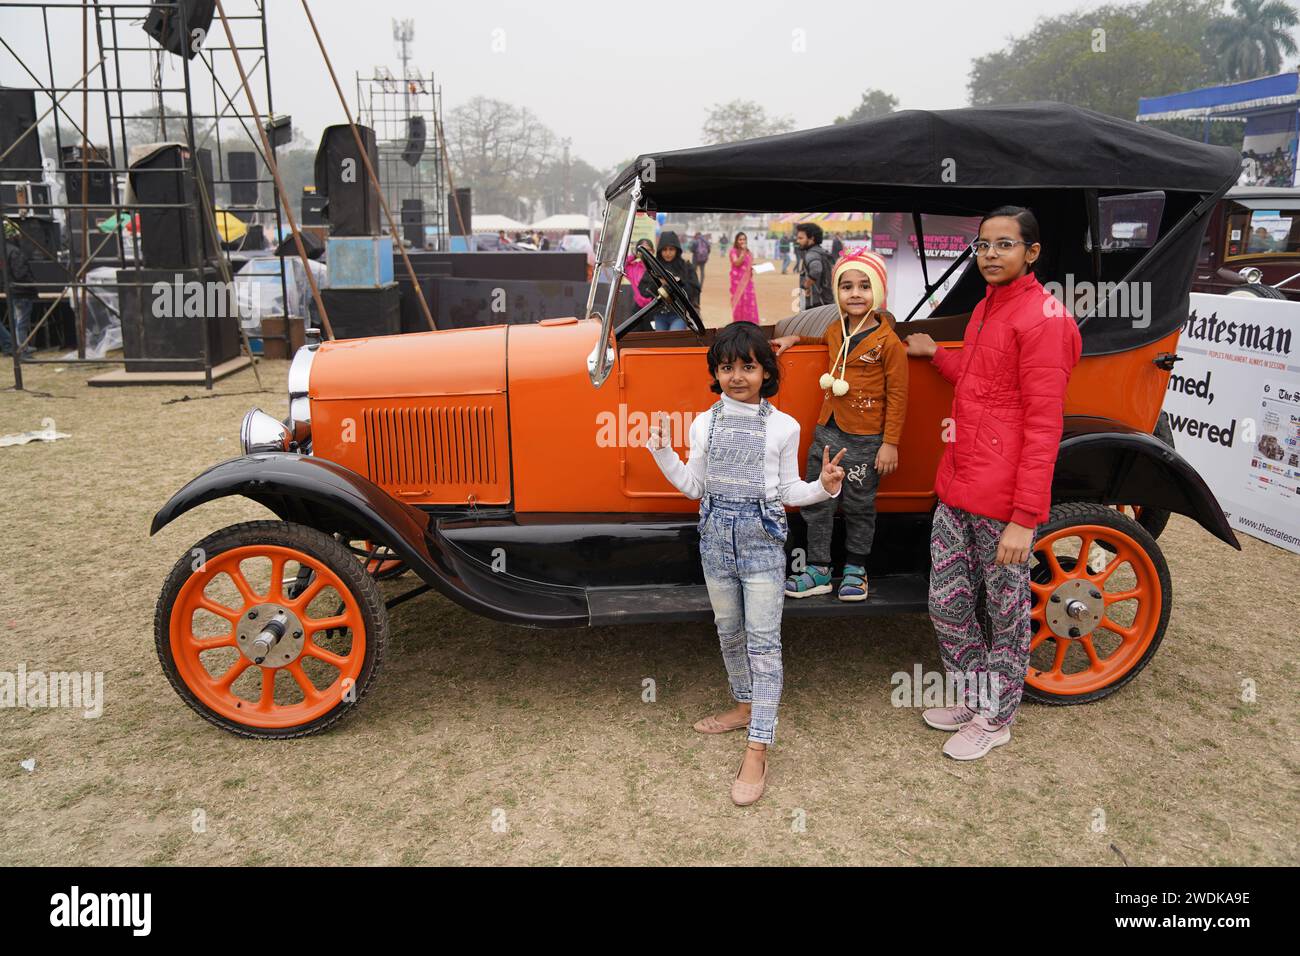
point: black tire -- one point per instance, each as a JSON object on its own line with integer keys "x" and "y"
{"x": 1258, "y": 290}
{"x": 319, "y": 546}
{"x": 1073, "y": 514}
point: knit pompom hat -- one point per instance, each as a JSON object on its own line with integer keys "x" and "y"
{"x": 874, "y": 266}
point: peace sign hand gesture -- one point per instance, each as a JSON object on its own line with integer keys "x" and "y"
{"x": 661, "y": 435}
{"x": 832, "y": 474}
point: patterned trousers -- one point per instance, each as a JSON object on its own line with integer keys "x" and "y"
{"x": 963, "y": 552}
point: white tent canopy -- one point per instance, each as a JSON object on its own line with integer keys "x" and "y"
{"x": 563, "y": 222}
{"x": 495, "y": 223}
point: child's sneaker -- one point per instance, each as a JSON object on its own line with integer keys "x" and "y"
{"x": 948, "y": 718}
{"x": 816, "y": 580}
{"x": 853, "y": 586}
{"x": 976, "y": 738}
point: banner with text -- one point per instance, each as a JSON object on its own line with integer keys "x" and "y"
{"x": 1234, "y": 408}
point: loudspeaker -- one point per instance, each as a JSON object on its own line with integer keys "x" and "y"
{"x": 38, "y": 237}
{"x": 357, "y": 313}
{"x": 462, "y": 223}
{"x": 175, "y": 238}
{"x": 414, "y": 147}
{"x": 243, "y": 177}
{"x": 312, "y": 212}
{"x": 148, "y": 336}
{"x": 99, "y": 181}
{"x": 173, "y": 23}
{"x": 413, "y": 222}
{"x": 352, "y": 206}
{"x": 17, "y": 115}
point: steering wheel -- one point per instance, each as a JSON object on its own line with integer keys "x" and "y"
{"x": 675, "y": 292}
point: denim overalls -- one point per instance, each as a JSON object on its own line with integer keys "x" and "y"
{"x": 742, "y": 550}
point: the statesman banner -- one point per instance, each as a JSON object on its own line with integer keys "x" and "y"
{"x": 1234, "y": 407}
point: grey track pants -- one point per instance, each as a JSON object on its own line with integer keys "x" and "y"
{"x": 857, "y": 496}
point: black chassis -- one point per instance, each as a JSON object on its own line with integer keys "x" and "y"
{"x": 574, "y": 570}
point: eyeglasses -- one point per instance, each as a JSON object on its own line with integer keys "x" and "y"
{"x": 981, "y": 246}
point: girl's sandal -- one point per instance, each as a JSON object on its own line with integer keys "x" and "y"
{"x": 853, "y": 585}
{"x": 711, "y": 725}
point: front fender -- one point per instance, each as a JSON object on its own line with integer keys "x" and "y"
{"x": 324, "y": 495}
{"x": 1113, "y": 464}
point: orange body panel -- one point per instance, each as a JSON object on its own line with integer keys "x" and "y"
{"x": 520, "y": 420}
{"x": 424, "y": 416}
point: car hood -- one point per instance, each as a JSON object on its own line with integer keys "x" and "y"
{"x": 451, "y": 362}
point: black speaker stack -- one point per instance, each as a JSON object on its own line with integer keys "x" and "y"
{"x": 413, "y": 222}
{"x": 352, "y": 203}
{"x": 242, "y": 166}
{"x": 155, "y": 326}
{"x": 176, "y": 237}
{"x": 17, "y": 116}
{"x": 99, "y": 196}
{"x": 460, "y": 212}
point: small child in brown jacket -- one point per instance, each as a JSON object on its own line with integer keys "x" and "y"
{"x": 863, "y": 410}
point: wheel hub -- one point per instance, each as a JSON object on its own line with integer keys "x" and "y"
{"x": 1075, "y": 608}
{"x": 270, "y": 635}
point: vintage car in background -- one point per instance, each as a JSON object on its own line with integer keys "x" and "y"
{"x": 501, "y": 465}
{"x": 1252, "y": 245}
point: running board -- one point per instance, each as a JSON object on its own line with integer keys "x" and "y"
{"x": 887, "y": 594}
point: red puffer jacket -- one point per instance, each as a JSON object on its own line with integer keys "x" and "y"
{"x": 1007, "y": 407}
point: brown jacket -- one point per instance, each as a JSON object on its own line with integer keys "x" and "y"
{"x": 876, "y": 403}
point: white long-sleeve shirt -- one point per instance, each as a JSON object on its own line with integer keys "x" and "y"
{"x": 780, "y": 463}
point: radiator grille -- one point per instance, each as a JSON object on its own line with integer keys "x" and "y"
{"x": 429, "y": 447}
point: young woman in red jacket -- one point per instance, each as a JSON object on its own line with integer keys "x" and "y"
{"x": 995, "y": 477}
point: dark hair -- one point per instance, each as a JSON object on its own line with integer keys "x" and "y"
{"x": 738, "y": 342}
{"x": 1024, "y": 218}
{"x": 811, "y": 230}
{"x": 746, "y": 235}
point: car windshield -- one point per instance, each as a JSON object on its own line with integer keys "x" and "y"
{"x": 615, "y": 234}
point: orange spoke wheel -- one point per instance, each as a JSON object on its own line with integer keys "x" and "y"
{"x": 270, "y": 629}
{"x": 1100, "y": 600}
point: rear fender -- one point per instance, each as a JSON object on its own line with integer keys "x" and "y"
{"x": 1112, "y": 463}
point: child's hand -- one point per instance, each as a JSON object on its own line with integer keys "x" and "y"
{"x": 887, "y": 460}
{"x": 661, "y": 435}
{"x": 921, "y": 345}
{"x": 1014, "y": 545}
{"x": 779, "y": 345}
{"x": 832, "y": 473}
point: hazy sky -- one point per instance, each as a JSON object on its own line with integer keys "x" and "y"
{"x": 617, "y": 78}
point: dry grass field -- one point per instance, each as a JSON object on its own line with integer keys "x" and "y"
{"x": 544, "y": 734}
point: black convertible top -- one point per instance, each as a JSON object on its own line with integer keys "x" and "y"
{"x": 938, "y": 161}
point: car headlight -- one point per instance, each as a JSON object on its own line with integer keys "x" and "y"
{"x": 260, "y": 432}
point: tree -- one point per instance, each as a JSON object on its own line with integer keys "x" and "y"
{"x": 1103, "y": 59}
{"x": 500, "y": 150}
{"x": 742, "y": 119}
{"x": 874, "y": 103}
{"x": 1252, "y": 42}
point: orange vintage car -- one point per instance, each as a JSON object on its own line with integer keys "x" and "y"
{"x": 500, "y": 464}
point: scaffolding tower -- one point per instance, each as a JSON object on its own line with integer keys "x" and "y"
{"x": 133, "y": 92}
{"x": 405, "y": 113}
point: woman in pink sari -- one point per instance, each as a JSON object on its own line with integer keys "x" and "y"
{"x": 744, "y": 304}
{"x": 634, "y": 269}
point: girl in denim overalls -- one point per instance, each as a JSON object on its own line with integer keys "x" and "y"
{"x": 744, "y": 465}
